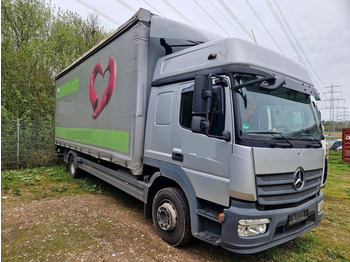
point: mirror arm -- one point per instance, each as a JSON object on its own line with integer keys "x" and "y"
{"x": 249, "y": 83}
{"x": 267, "y": 82}
{"x": 277, "y": 84}
{"x": 207, "y": 94}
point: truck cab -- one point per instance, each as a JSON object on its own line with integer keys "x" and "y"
{"x": 243, "y": 135}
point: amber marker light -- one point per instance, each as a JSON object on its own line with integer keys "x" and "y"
{"x": 221, "y": 217}
{"x": 212, "y": 56}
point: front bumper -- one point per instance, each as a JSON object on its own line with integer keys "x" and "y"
{"x": 278, "y": 231}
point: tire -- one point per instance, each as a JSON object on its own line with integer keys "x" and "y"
{"x": 74, "y": 172}
{"x": 171, "y": 217}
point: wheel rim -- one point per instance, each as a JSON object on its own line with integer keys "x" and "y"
{"x": 72, "y": 167}
{"x": 167, "y": 216}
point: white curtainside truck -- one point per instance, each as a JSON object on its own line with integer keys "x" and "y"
{"x": 218, "y": 137}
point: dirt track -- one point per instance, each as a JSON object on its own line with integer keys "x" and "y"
{"x": 92, "y": 228}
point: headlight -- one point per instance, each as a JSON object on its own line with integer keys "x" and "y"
{"x": 252, "y": 227}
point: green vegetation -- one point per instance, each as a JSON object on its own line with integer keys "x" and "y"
{"x": 328, "y": 242}
{"x": 43, "y": 182}
{"x": 37, "y": 42}
{"x": 334, "y": 233}
{"x": 27, "y": 143}
{"x": 335, "y": 129}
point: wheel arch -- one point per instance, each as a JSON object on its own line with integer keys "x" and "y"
{"x": 68, "y": 155}
{"x": 170, "y": 175}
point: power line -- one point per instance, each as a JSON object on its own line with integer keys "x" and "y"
{"x": 305, "y": 37}
{"x": 284, "y": 30}
{"x": 225, "y": 16}
{"x": 265, "y": 27}
{"x": 342, "y": 114}
{"x": 301, "y": 29}
{"x": 212, "y": 18}
{"x": 121, "y": 2}
{"x": 235, "y": 18}
{"x": 297, "y": 42}
{"x": 331, "y": 102}
{"x": 94, "y": 9}
{"x": 153, "y": 8}
{"x": 177, "y": 11}
{"x": 280, "y": 24}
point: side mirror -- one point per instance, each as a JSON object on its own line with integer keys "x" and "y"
{"x": 202, "y": 101}
{"x": 226, "y": 135}
{"x": 201, "y": 92}
{"x": 199, "y": 125}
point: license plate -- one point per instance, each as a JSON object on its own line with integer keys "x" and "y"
{"x": 297, "y": 217}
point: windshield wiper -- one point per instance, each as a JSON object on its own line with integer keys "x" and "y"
{"x": 273, "y": 133}
{"x": 315, "y": 139}
{"x": 286, "y": 139}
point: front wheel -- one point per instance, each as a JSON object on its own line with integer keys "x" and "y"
{"x": 171, "y": 216}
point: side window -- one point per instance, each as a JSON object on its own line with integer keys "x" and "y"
{"x": 186, "y": 109}
{"x": 216, "y": 114}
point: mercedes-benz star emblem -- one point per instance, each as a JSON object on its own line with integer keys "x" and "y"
{"x": 299, "y": 179}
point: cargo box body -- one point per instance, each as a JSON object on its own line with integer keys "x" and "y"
{"x": 101, "y": 99}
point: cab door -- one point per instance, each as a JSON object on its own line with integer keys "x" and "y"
{"x": 205, "y": 159}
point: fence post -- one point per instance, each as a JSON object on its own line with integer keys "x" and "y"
{"x": 17, "y": 143}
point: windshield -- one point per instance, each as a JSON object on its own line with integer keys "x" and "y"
{"x": 280, "y": 114}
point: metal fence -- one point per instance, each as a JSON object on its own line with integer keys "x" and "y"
{"x": 27, "y": 143}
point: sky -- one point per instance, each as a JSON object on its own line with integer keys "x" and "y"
{"x": 314, "y": 33}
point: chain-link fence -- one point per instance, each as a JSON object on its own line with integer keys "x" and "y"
{"x": 27, "y": 143}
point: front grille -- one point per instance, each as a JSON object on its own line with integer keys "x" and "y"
{"x": 278, "y": 189}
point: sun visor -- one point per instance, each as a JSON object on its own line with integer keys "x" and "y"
{"x": 307, "y": 89}
{"x": 316, "y": 94}
{"x": 303, "y": 88}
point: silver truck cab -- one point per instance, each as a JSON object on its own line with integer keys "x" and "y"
{"x": 235, "y": 123}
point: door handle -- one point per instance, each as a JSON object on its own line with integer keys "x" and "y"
{"x": 178, "y": 157}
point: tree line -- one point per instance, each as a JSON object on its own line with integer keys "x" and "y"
{"x": 37, "y": 42}
{"x": 338, "y": 126}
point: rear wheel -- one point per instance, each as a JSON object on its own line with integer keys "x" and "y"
{"x": 171, "y": 216}
{"x": 72, "y": 168}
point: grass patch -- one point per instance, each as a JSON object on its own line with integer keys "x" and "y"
{"x": 334, "y": 232}
{"x": 43, "y": 182}
{"x": 44, "y": 242}
{"x": 328, "y": 242}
